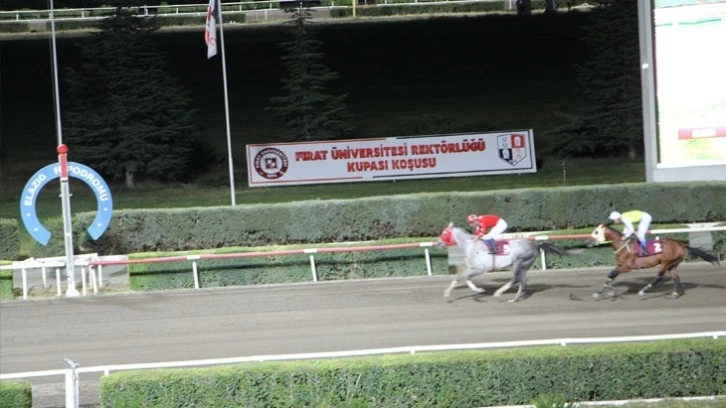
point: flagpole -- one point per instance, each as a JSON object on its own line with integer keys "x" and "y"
{"x": 226, "y": 107}
{"x": 63, "y": 164}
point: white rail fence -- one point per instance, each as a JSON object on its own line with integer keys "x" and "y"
{"x": 198, "y": 10}
{"x": 71, "y": 374}
{"x": 92, "y": 266}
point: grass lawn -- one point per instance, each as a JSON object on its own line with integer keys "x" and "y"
{"x": 576, "y": 172}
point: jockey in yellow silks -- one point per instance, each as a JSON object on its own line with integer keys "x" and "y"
{"x": 628, "y": 219}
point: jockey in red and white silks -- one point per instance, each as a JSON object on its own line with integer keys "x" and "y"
{"x": 496, "y": 224}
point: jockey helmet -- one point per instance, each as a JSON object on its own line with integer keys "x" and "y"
{"x": 472, "y": 218}
{"x": 614, "y": 215}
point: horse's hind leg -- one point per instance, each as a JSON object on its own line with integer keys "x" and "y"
{"x": 676, "y": 282}
{"x": 656, "y": 281}
{"x": 506, "y": 286}
{"x": 473, "y": 287}
{"x": 522, "y": 286}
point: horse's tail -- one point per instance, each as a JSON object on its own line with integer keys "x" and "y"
{"x": 713, "y": 259}
{"x": 549, "y": 248}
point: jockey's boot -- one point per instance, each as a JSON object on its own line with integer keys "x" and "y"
{"x": 492, "y": 246}
{"x": 643, "y": 249}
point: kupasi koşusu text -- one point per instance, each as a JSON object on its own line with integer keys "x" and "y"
{"x": 465, "y": 146}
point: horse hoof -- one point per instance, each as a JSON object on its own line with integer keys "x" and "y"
{"x": 595, "y": 295}
{"x": 611, "y": 294}
{"x": 479, "y": 290}
{"x": 641, "y": 293}
{"x": 673, "y": 296}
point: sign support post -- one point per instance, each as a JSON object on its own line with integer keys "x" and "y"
{"x": 67, "y": 225}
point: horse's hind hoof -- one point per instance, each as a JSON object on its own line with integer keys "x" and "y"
{"x": 674, "y": 296}
{"x": 595, "y": 295}
{"x": 641, "y": 293}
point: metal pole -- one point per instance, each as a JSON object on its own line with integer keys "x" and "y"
{"x": 63, "y": 160}
{"x": 59, "y": 130}
{"x": 226, "y": 107}
{"x": 67, "y": 227}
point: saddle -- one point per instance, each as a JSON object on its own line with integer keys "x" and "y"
{"x": 502, "y": 246}
{"x": 653, "y": 247}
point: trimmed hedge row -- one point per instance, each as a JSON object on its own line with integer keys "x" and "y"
{"x": 6, "y": 283}
{"x": 396, "y": 10}
{"x": 375, "y": 218}
{"x": 442, "y": 379}
{"x": 9, "y": 239}
{"x": 16, "y": 394}
{"x": 68, "y": 25}
{"x": 280, "y": 269}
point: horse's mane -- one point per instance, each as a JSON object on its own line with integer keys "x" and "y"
{"x": 612, "y": 229}
{"x": 465, "y": 233}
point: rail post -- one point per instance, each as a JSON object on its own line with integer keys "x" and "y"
{"x": 25, "y": 283}
{"x": 71, "y": 384}
{"x": 196, "y": 274}
{"x": 428, "y": 261}
{"x": 58, "y": 282}
{"x": 313, "y": 269}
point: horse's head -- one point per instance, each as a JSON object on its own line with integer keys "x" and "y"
{"x": 447, "y": 236}
{"x": 598, "y": 235}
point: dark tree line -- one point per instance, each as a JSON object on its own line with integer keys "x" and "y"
{"x": 126, "y": 116}
{"x": 611, "y": 122}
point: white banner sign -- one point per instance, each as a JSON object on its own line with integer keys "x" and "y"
{"x": 395, "y": 158}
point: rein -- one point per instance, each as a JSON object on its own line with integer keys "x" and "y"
{"x": 625, "y": 245}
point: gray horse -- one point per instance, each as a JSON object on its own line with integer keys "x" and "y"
{"x": 518, "y": 253}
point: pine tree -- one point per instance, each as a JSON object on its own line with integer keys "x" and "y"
{"x": 307, "y": 111}
{"x": 609, "y": 82}
{"x": 127, "y": 116}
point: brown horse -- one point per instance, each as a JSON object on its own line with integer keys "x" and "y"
{"x": 669, "y": 253}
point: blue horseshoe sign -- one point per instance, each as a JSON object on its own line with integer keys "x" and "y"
{"x": 51, "y": 172}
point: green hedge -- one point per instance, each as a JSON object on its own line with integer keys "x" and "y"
{"x": 374, "y": 218}
{"x": 9, "y": 239}
{"x": 280, "y": 269}
{"x": 16, "y": 394}
{"x": 395, "y": 10}
{"x": 6, "y": 283}
{"x": 444, "y": 379}
{"x": 56, "y": 245}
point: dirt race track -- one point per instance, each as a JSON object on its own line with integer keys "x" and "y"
{"x": 328, "y": 316}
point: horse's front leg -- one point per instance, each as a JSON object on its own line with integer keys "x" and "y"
{"x": 608, "y": 284}
{"x": 464, "y": 276}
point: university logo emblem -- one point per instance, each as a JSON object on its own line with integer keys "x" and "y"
{"x": 271, "y": 163}
{"x": 512, "y": 148}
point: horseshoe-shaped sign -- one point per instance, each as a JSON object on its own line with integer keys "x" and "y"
{"x": 51, "y": 172}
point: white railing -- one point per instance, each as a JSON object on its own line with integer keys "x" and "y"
{"x": 71, "y": 374}
{"x": 88, "y": 276}
{"x": 193, "y": 10}
{"x": 95, "y": 276}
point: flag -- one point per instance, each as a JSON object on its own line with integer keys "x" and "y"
{"x": 210, "y": 31}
